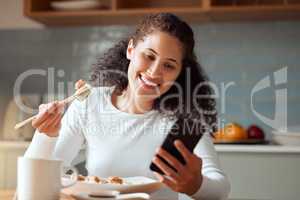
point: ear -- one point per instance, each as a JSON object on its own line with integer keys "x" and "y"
{"x": 130, "y": 49}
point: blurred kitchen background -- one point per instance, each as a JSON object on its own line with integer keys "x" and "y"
{"x": 239, "y": 51}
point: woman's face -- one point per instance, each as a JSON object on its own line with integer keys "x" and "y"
{"x": 155, "y": 63}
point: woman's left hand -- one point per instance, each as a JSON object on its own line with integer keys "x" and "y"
{"x": 188, "y": 178}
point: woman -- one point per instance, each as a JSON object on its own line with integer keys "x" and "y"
{"x": 142, "y": 85}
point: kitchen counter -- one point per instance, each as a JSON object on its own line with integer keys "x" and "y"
{"x": 219, "y": 147}
{"x": 9, "y": 195}
{"x": 13, "y": 144}
{"x": 161, "y": 194}
{"x": 257, "y": 148}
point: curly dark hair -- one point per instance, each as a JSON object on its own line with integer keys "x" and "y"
{"x": 200, "y": 108}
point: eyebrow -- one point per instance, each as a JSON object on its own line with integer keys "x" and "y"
{"x": 171, "y": 59}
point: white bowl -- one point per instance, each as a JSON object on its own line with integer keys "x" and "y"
{"x": 76, "y": 4}
{"x": 289, "y": 138}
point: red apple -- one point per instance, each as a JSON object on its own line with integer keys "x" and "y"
{"x": 254, "y": 132}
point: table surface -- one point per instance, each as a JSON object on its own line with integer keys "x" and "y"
{"x": 159, "y": 195}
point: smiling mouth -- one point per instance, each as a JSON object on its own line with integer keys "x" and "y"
{"x": 148, "y": 82}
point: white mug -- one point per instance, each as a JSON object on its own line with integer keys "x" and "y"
{"x": 41, "y": 179}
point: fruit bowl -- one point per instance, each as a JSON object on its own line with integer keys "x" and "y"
{"x": 245, "y": 141}
{"x": 234, "y": 133}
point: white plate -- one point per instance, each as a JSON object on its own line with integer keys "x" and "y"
{"x": 114, "y": 195}
{"x": 131, "y": 185}
{"x": 76, "y": 4}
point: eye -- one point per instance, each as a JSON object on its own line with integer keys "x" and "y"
{"x": 169, "y": 66}
{"x": 150, "y": 57}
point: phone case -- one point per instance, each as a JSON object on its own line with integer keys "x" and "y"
{"x": 186, "y": 130}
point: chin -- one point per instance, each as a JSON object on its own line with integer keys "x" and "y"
{"x": 151, "y": 95}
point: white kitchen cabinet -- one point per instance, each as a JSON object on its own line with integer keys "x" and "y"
{"x": 261, "y": 172}
{"x": 9, "y": 153}
{"x": 11, "y": 169}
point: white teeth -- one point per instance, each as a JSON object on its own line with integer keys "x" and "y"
{"x": 150, "y": 83}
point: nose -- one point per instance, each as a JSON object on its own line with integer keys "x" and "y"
{"x": 155, "y": 70}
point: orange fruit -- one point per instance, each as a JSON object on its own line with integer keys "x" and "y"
{"x": 234, "y": 132}
{"x": 231, "y": 132}
{"x": 218, "y": 135}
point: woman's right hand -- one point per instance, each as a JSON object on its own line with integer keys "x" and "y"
{"x": 48, "y": 120}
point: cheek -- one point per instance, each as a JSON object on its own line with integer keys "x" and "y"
{"x": 169, "y": 79}
{"x": 136, "y": 66}
{"x": 139, "y": 63}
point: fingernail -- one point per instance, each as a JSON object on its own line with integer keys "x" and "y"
{"x": 154, "y": 159}
{"x": 41, "y": 113}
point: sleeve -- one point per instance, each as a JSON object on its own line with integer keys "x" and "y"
{"x": 215, "y": 184}
{"x": 67, "y": 145}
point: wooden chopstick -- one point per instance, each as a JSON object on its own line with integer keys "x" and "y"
{"x": 68, "y": 100}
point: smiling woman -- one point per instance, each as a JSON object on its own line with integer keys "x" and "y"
{"x": 142, "y": 86}
{"x": 162, "y": 48}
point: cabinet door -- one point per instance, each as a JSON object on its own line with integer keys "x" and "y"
{"x": 262, "y": 175}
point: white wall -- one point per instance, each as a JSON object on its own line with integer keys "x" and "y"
{"x": 11, "y": 16}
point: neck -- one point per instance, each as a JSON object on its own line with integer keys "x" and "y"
{"x": 131, "y": 103}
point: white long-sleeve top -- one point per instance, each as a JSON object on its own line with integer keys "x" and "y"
{"x": 121, "y": 144}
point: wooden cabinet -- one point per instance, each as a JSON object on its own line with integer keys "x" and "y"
{"x": 130, "y": 11}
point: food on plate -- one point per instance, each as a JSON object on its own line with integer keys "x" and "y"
{"x": 96, "y": 179}
{"x": 254, "y": 132}
{"x": 80, "y": 178}
{"x": 230, "y": 133}
{"x": 115, "y": 179}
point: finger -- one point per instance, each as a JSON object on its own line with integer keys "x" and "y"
{"x": 42, "y": 107}
{"x": 167, "y": 182}
{"x": 79, "y": 84}
{"x": 61, "y": 105}
{"x": 52, "y": 107}
{"x": 197, "y": 164}
{"x": 171, "y": 160}
{"x": 187, "y": 155}
{"x": 40, "y": 118}
{"x": 57, "y": 122}
{"x": 53, "y": 122}
{"x": 55, "y": 125}
{"x": 46, "y": 111}
{"x": 47, "y": 124}
{"x": 166, "y": 169}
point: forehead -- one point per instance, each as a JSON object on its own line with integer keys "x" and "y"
{"x": 164, "y": 44}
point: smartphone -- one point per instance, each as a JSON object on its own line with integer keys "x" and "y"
{"x": 186, "y": 130}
